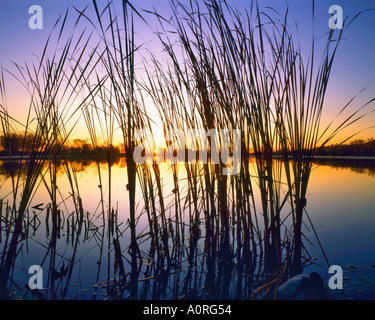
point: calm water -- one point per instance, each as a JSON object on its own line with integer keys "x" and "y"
{"x": 342, "y": 208}
{"x": 340, "y": 204}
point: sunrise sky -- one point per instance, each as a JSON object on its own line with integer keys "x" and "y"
{"x": 353, "y": 71}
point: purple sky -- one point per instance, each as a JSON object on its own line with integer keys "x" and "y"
{"x": 353, "y": 71}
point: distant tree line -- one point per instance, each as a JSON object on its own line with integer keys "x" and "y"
{"x": 359, "y": 147}
{"x": 21, "y": 143}
{"x": 82, "y": 148}
{"x": 16, "y": 144}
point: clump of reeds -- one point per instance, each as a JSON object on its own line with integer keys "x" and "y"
{"x": 228, "y": 69}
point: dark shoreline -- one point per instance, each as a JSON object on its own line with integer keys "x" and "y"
{"x": 122, "y": 155}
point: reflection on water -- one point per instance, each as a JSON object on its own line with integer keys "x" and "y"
{"x": 342, "y": 208}
{"x": 9, "y": 168}
{"x": 83, "y": 242}
{"x": 360, "y": 166}
{"x": 15, "y": 167}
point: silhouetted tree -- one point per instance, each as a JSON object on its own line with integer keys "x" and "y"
{"x": 11, "y": 143}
